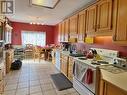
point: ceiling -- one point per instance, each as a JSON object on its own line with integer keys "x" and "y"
{"x": 24, "y": 12}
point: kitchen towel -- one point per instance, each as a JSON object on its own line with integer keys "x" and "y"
{"x": 88, "y": 76}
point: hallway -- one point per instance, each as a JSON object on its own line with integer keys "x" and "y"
{"x": 33, "y": 79}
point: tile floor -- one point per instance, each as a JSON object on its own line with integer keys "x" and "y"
{"x": 33, "y": 79}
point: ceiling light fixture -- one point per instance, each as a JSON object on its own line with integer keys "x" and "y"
{"x": 34, "y": 23}
{"x": 45, "y": 3}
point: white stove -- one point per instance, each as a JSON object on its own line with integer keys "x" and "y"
{"x": 84, "y": 80}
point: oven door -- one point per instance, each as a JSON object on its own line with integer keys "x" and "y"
{"x": 80, "y": 72}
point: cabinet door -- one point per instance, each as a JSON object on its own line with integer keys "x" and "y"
{"x": 113, "y": 90}
{"x": 61, "y": 31}
{"x": 81, "y": 25}
{"x": 104, "y": 15}
{"x": 91, "y": 19}
{"x": 73, "y": 26}
{"x": 70, "y": 68}
{"x": 120, "y": 35}
{"x": 66, "y": 30}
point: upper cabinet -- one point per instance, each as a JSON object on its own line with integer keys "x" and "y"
{"x": 104, "y": 15}
{"x": 66, "y": 30}
{"x": 99, "y": 18}
{"x": 61, "y": 34}
{"x": 62, "y": 31}
{"x": 81, "y": 25}
{"x": 91, "y": 19}
{"x": 73, "y": 26}
{"x": 120, "y": 35}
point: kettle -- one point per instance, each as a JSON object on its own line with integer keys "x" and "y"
{"x": 90, "y": 54}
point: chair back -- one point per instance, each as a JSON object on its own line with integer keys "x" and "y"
{"x": 29, "y": 46}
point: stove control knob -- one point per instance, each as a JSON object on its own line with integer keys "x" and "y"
{"x": 123, "y": 65}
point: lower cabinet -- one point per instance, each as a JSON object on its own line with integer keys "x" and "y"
{"x": 64, "y": 64}
{"x": 9, "y": 57}
{"x": 70, "y": 68}
{"x": 2, "y": 75}
{"x": 107, "y": 88}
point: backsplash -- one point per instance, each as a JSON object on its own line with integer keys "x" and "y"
{"x": 105, "y": 43}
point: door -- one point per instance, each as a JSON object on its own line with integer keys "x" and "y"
{"x": 66, "y": 30}
{"x": 91, "y": 19}
{"x": 81, "y": 25}
{"x": 120, "y": 35}
{"x": 104, "y": 17}
{"x": 73, "y": 26}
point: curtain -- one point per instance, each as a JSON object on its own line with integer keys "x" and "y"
{"x": 33, "y": 37}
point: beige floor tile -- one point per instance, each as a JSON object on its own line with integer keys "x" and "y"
{"x": 11, "y": 92}
{"x": 12, "y": 81}
{"x": 23, "y": 85}
{"x": 22, "y": 91}
{"x": 34, "y": 83}
{"x": 45, "y": 81}
{"x": 35, "y": 89}
{"x": 63, "y": 92}
{"x": 38, "y": 93}
{"x": 46, "y": 87}
{"x": 10, "y": 87}
{"x": 50, "y": 92}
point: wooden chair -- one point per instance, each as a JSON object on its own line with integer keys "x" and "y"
{"x": 38, "y": 53}
{"x": 49, "y": 54}
{"x": 28, "y": 52}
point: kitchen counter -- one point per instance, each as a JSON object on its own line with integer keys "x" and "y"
{"x": 119, "y": 80}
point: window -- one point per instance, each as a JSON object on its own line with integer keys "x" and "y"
{"x": 33, "y": 37}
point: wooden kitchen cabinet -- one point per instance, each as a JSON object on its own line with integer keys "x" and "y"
{"x": 120, "y": 34}
{"x": 73, "y": 26}
{"x": 99, "y": 18}
{"x": 2, "y": 75}
{"x": 66, "y": 30}
{"x": 81, "y": 25}
{"x": 61, "y": 32}
{"x": 64, "y": 64}
{"x": 104, "y": 15}
{"x": 110, "y": 89}
{"x": 91, "y": 19}
{"x": 9, "y": 59}
{"x": 70, "y": 68}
